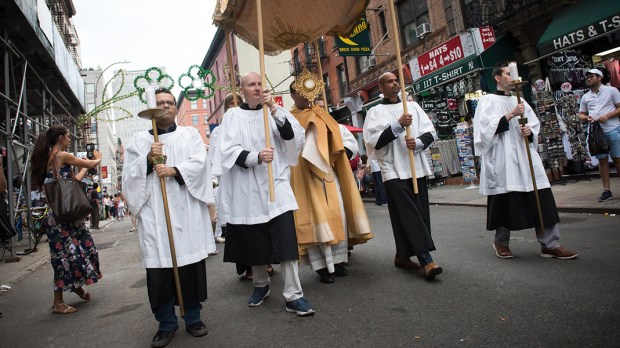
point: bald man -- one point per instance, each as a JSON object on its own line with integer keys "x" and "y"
{"x": 385, "y": 137}
{"x": 260, "y": 232}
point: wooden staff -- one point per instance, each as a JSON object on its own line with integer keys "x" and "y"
{"x": 261, "y": 56}
{"x": 318, "y": 62}
{"x": 175, "y": 268}
{"x": 231, "y": 69}
{"x": 523, "y": 122}
{"x": 401, "y": 80}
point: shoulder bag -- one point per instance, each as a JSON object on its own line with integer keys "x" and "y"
{"x": 597, "y": 141}
{"x": 67, "y": 198}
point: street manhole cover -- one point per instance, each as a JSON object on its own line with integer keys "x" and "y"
{"x": 106, "y": 245}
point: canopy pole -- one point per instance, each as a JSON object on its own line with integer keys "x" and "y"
{"x": 401, "y": 80}
{"x": 231, "y": 69}
{"x": 261, "y": 56}
{"x": 320, "y": 67}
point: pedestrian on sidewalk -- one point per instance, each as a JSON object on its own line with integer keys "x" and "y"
{"x": 380, "y": 198}
{"x": 184, "y": 172}
{"x": 331, "y": 217}
{"x": 385, "y": 137}
{"x": 505, "y": 174}
{"x": 254, "y": 225}
{"x": 602, "y": 104}
{"x": 74, "y": 256}
{"x": 93, "y": 196}
{"x": 107, "y": 202}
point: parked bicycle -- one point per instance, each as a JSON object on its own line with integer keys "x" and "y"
{"x": 40, "y": 226}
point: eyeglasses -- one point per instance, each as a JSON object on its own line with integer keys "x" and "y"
{"x": 165, "y": 102}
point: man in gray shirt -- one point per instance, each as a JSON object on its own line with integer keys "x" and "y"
{"x": 602, "y": 104}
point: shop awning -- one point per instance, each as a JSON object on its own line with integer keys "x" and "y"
{"x": 580, "y": 23}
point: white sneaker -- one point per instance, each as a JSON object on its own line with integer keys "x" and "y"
{"x": 214, "y": 253}
{"x": 220, "y": 239}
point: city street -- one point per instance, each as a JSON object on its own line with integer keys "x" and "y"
{"x": 479, "y": 300}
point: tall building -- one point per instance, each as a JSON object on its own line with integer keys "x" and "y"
{"x": 201, "y": 113}
{"x": 101, "y": 129}
{"x": 127, "y": 127}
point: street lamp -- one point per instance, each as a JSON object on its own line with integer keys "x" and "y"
{"x": 96, "y": 120}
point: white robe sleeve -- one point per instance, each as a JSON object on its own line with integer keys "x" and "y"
{"x": 196, "y": 170}
{"x": 374, "y": 125}
{"x": 349, "y": 141}
{"x": 486, "y": 120}
{"x": 134, "y": 172}
{"x": 227, "y": 148}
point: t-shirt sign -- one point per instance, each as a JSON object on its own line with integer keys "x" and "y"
{"x": 582, "y": 34}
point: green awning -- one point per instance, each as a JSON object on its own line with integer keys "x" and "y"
{"x": 580, "y": 23}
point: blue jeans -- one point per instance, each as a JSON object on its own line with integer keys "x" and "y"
{"x": 380, "y": 198}
{"x": 167, "y": 318}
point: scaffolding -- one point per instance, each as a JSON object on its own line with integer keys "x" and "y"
{"x": 29, "y": 107}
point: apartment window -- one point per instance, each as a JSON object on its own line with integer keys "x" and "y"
{"x": 206, "y": 119}
{"x": 193, "y": 104}
{"x": 194, "y": 120}
{"x": 383, "y": 24}
{"x": 90, "y": 107}
{"x": 90, "y": 88}
{"x": 208, "y": 132}
{"x": 328, "y": 91}
{"x": 449, "y": 10}
{"x": 342, "y": 80}
{"x": 412, "y": 13}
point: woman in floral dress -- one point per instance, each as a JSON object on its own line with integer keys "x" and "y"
{"x": 73, "y": 253}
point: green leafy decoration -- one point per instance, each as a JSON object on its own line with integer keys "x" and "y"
{"x": 196, "y": 81}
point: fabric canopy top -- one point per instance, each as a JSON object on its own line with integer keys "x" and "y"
{"x": 288, "y": 23}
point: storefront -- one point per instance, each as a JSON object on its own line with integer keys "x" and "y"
{"x": 580, "y": 37}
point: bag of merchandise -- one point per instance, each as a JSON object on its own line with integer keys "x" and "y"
{"x": 597, "y": 141}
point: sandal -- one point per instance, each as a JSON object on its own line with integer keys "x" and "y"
{"x": 270, "y": 270}
{"x": 247, "y": 276}
{"x": 84, "y": 295}
{"x": 57, "y": 309}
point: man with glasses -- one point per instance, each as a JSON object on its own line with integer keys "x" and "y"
{"x": 184, "y": 169}
{"x": 602, "y": 104}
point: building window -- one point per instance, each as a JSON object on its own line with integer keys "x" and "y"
{"x": 206, "y": 119}
{"x": 90, "y": 107}
{"x": 328, "y": 91}
{"x": 383, "y": 24}
{"x": 90, "y": 88}
{"x": 342, "y": 80}
{"x": 208, "y": 132}
{"x": 194, "y": 120}
{"x": 412, "y": 13}
{"x": 193, "y": 104}
{"x": 451, "y": 23}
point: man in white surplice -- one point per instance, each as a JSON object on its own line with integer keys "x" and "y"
{"x": 186, "y": 173}
{"x": 505, "y": 174}
{"x": 260, "y": 232}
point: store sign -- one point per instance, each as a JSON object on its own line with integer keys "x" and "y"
{"x": 446, "y": 75}
{"x": 104, "y": 172}
{"x": 279, "y": 101}
{"x": 472, "y": 42}
{"x": 580, "y": 35}
{"x": 356, "y": 43}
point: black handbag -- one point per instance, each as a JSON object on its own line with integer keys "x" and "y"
{"x": 597, "y": 141}
{"x": 67, "y": 198}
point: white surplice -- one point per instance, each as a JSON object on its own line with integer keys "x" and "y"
{"x": 189, "y": 214}
{"x": 394, "y": 157}
{"x": 504, "y": 164}
{"x": 245, "y": 192}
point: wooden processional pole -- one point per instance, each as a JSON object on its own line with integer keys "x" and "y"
{"x": 231, "y": 69}
{"x": 401, "y": 80}
{"x": 261, "y": 56}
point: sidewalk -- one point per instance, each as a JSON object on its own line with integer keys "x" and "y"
{"x": 571, "y": 197}
{"x": 11, "y": 272}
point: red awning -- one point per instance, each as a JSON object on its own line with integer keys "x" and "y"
{"x": 353, "y": 129}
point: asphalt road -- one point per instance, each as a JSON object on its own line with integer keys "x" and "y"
{"x": 479, "y": 300}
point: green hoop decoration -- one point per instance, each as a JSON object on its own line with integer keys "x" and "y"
{"x": 197, "y": 80}
{"x": 152, "y": 76}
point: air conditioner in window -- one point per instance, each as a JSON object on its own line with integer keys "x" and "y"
{"x": 363, "y": 64}
{"x": 372, "y": 61}
{"x": 422, "y": 30}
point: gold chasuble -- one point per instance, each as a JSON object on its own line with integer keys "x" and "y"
{"x": 319, "y": 219}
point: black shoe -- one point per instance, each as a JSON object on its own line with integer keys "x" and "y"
{"x": 197, "y": 329}
{"x": 162, "y": 338}
{"x": 325, "y": 277}
{"x": 339, "y": 270}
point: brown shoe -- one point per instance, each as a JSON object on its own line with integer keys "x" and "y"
{"x": 503, "y": 252}
{"x": 406, "y": 264}
{"x": 558, "y": 253}
{"x": 432, "y": 270}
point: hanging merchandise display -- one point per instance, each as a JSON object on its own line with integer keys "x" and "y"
{"x": 550, "y": 144}
{"x": 465, "y": 151}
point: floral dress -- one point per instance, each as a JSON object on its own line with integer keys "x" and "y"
{"x": 74, "y": 256}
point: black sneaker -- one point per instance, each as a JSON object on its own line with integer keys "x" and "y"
{"x": 162, "y": 338}
{"x": 605, "y": 196}
{"x": 197, "y": 329}
{"x": 299, "y": 306}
